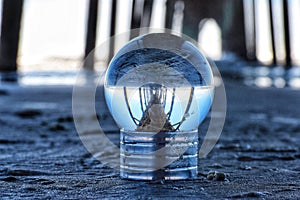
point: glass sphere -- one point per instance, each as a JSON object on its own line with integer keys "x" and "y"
{"x": 159, "y": 82}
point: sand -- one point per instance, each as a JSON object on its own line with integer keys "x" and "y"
{"x": 257, "y": 156}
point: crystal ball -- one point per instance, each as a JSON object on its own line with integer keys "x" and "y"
{"x": 159, "y": 82}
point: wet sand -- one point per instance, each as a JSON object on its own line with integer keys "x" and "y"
{"x": 257, "y": 156}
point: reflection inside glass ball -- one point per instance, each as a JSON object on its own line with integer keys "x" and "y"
{"x": 156, "y": 108}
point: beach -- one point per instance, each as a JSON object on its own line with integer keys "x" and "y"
{"x": 257, "y": 156}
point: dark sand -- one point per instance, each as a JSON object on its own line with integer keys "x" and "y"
{"x": 42, "y": 156}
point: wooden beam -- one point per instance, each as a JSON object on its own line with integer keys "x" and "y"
{"x": 147, "y": 10}
{"x": 91, "y": 34}
{"x": 233, "y": 29}
{"x": 249, "y": 24}
{"x": 170, "y": 13}
{"x": 10, "y": 33}
{"x": 287, "y": 34}
{"x": 136, "y": 17}
{"x": 272, "y": 20}
{"x": 137, "y": 12}
{"x": 112, "y": 30}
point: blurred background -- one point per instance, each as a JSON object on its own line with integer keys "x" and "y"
{"x": 255, "y": 39}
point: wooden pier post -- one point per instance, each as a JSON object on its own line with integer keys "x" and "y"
{"x": 250, "y": 29}
{"x": 287, "y": 34}
{"x": 272, "y": 21}
{"x": 233, "y": 27}
{"x": 91, "y": 34}
{"x": 112, "y": 30}
{"x": 228, "y": 14}
{"x": 170, "y": 13}
{"x": 10, "y": 33}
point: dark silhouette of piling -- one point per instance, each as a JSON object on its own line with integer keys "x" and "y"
{"x": 10, "y": 33}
